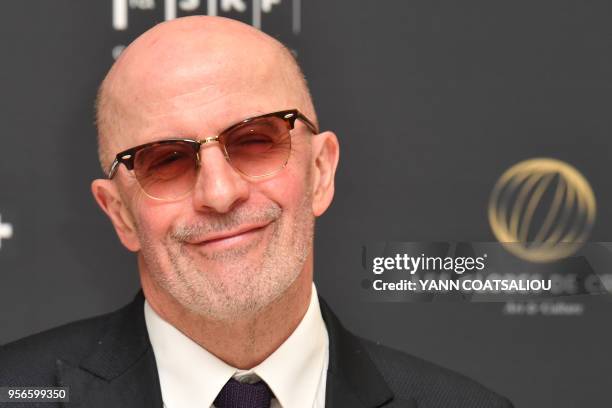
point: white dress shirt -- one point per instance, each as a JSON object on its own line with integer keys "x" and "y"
{"x": 190, "y": 376}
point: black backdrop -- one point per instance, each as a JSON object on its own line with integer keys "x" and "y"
{"x": 432, "y": 101}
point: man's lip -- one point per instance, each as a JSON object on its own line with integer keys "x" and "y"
{"x": 228, "y": 234}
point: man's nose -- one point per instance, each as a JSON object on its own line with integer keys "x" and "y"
{"x": 219, "y": 187}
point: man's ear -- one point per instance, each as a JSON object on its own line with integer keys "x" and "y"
{"x": 108, "y": 198}
{"x": 326, "y": 153}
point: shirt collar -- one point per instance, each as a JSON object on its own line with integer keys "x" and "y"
{"x": 191, "y": 376}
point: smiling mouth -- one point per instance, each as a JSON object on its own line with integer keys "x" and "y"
{"x": 228, "y": 240}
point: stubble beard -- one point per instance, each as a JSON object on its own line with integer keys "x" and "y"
{"x": 241, "y": 288}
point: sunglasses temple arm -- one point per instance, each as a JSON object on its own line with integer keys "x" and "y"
{"x": 308, "y": 123}
{"x": 113, "y": 169}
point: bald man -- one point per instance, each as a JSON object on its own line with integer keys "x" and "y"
{"x": 216, "y": 170}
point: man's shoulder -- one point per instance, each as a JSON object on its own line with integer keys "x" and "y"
{"x": 33, "y": 359}
{"x": 431, "y": 385}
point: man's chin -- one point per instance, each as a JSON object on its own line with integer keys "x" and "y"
{"x": 237, "y": 291}
{"x": 216, "y": 307}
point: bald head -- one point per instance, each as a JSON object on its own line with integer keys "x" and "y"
{"x": 192, "y": 63}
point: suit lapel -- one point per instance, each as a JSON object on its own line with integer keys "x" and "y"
{"x": 352, "y": 378}
{"x": 120, "y": 371}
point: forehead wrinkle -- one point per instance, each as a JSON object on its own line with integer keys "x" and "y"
{"x": 184, "y": 101}
{"x": 223, "y": 112}
{"x": 198, "y": 100}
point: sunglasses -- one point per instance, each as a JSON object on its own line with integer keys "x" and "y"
{"x": 256, "y": 147}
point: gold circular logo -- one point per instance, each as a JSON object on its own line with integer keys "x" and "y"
{"x": 542, "y": 210}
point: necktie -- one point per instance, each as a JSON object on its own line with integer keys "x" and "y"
{"x": 235, "y": 394}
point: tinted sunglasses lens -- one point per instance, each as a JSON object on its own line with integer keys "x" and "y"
{"x": 166, "y": 170}
{"x": 259, "y": 147}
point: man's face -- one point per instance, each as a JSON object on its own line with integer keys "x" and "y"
{"x": 234, "y": 244}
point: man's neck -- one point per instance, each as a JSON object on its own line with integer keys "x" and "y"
{"x": 241, "y": 343}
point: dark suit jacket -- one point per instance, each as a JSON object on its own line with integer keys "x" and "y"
{"x": 107, "y": 361}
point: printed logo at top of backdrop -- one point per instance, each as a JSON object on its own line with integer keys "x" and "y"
{"x": 121, "y": 9}
{"x": 544, "y": 205}
{"x": 283, "y": 18}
